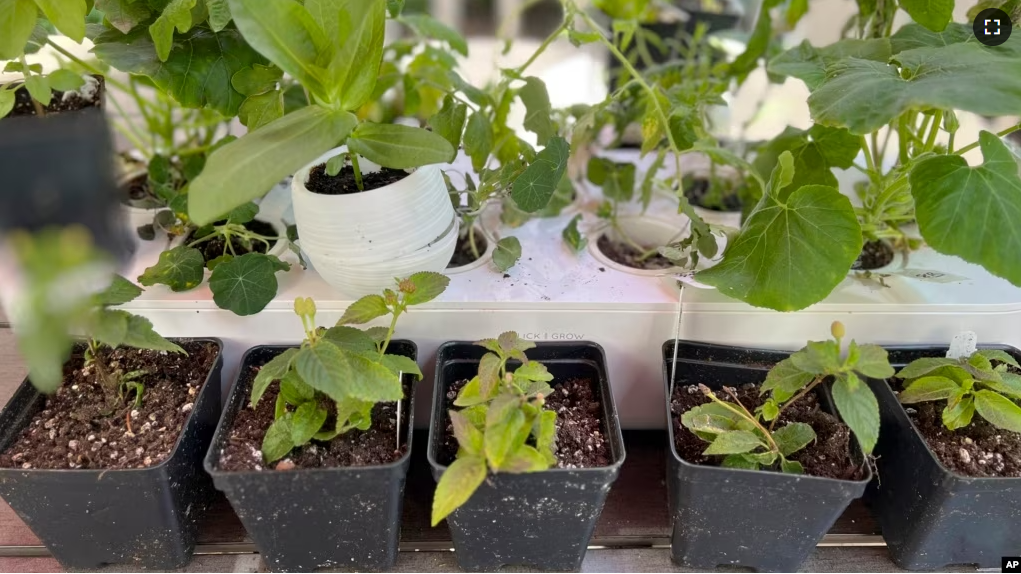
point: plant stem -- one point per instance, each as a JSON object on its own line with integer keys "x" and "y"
{"x": 357, "y": 171}
{"x": 746, "y": 415}
{"x": 39, "y": 109}
{"x": 974, "y": 145}
{"x": 868, "y": 159}
{"x": 930, "y": 142}
{"x": 398, "y": 309}
{"x": 797, "y": 397}
{"x": 542, "y": 47}
{"x": 471, "y": 241}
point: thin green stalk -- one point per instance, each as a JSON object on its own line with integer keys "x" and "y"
{"x": 390, "y": 332}
{"x": 743, "y": 413}
{"x": 542, "y": 47}
{"x": 798, "y": 396}
{"x": 930, "y": 142}
{"x": 1001, "y": 134}
{"x": 868, "y": 159}
{"x": 357, "y": 170}
{"x": 39, "y": 109}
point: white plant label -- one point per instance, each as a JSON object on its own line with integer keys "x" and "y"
{"x": 963, "y": 345}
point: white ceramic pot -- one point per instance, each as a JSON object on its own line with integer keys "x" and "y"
{"x": 647, "y": 231}
{"x": 360, "y": 242}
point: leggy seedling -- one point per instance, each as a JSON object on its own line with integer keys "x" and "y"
{"x": 502, "y": 426}
{"x": 345, "y": 366}
{"x": 968, "y": 385}
{"x": 751, "y": 440}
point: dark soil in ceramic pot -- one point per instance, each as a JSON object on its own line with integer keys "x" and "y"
{"x": 218, "y": 247}
{"x": 326, "y": 505}
{"x": 874, "y": 255}
{"x": 119, "y": 488}
{"x": 345, "y": 183}
{"x": 698, "y": 192}
{"x": 944, "y": 497}
{"x": 764, "y": 520}
{"x": 136, "y": 192}
{"x": 463, "y": 254}
{"x": 543, "y": 519}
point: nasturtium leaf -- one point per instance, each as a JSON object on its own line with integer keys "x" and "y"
{"x": 572, "y": 237}
{"x": 793, "y": 437}
{"x": 398, "y": 146}
{"x": 808, "y": 63}
{"x": 430, "y": 27}
{"x": 859, "y": 410}
{"x": 815, "y": 229}
{"x": 287, "y": 34}
{"x": 972, "y": 212}
{"x": 198, "y": 70}
{"x": 734, "y": 442}
{"x": 428, "y": 286}
{"x": 507, "y": 253}
{"x": 307, "y": 420}
{"x": 17, "y": 20}
{"x": 457, "y": 484}
{"x": 449, "y": 122}
{"x": 933, "y": 14}
{"x": 273, "y": 370}
{"x": 924, "y": 366}
{"x": 249, "y": 167}
{"x": 468, "y": 436}
{"x": 401, "y": 364}
{"x": 278, "y": 442}
{"x": 176, "y": 14}
{"x": 181, "y": 268}
{"x": 119, "y": 292}
{"x": 244, "y": 285}
{"x": 998, "y": 355}
{"x": 350, "y": 339}
{"x": 364, "y": 310}
{"x": 537, "y": 110}
{"x": 928, "y": 389}
{"x": 261, "y": 109}
{"x": 68, "y": 16}
{"x": 785, "y": 379}
{"x": 864, "y": 95}
{"x": 125, "y": 14}
{"x": 478, "y": 139}
{"x": 873, "y": 361}
{"x": 1000, "y": 411}
{"x": 533, "y": 189}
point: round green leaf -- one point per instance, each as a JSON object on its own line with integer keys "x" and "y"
{"x": 1000, "y": 411}
{"x": 244, "y": 285}
{"x": 533, "y": 189}
{"x": 508, "y": 251}
{"x": 181, "y": 268}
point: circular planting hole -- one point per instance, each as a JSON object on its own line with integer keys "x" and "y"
{"x": 136, "y": 192}
{"x": 463, "y": 254}
{"x": 874, "y": 255}
{"x": 697, "y": 190}
{"x": 217, "y": 247}
{"x": 345, "y": 182}
{"x": 622, "y": 253}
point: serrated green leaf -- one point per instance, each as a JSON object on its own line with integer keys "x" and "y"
{"x": 428, "y": 286}
{"x": 546, "y": 436}
{"x": 278, "y": 442}
{"x": 502, "y": 430}
{"x": 401, "y": 364}
{"x": 928, "y": 389}
{"x": 176, "y": 14}
{"x": 924, "y": 366}
{"x": 933, "y": 14}
{"x": 818, "y": 357}
{"x": 739, "y": 461}
{"x": 998, "y": 355}
{"x": 971, "y": 212}
{"x": 793, "y": 437}
{"x": 468, "y": 436}
{"x": 219, "y": 14}
{"x": 180, "y": 268}
{"x": 959, "y": 411}
{"x": 873, "y": 361}
{"x": 533, "y": 371}
{"x": 429, "y": 27}
{"x": 351, "y": 339}
{"x": 814, "y": 228}
{"x": 110, "y": 327}
{"x": 785, "y": 379}
{"x": 119, "y": 292}
{"x": 273, "y": 370}
{"x": 1000, "y": 411}
{"x": 449, "y": 123}
{"x": 248, "y": 167}
{"x": 294, "y": 390}
{"x": 478, "y": 139}
{"x": 864, "y": 96}
{"x": 398, "y": 146}
{"x": 197, "y": 72}
{"x": 734, "y": 442}
{"x": 572, "y": 237}
{"x": 1010, "y": 384}
{"x": 791, "y": 467}
{"x": 457, "y": 484}
{"x": 507, "y": 253}
{"x": 808, "y": 63}
{"x": 710, "y": 418}
{"x": 859, "y": 410}
{"x": 489, "y": 374}
{"x": 308, "y": 418}
{"x": 364, "y": 310}
{"x": 525, "y": 459}
{"x": 244, "y": 285}
{"x": 471, "y": 394}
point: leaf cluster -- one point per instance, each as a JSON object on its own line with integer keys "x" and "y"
{"x": 980, "y": 383}
{"x": 341, "y": 372}
{"x": 749, "y": 443}
{"x": 501, "y": 426}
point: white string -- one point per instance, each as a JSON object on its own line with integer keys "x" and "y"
{"x": 400, "y": 377}
{"x": 677, "y": 339}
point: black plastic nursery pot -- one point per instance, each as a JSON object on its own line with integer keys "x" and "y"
{"x": 543, "y": 519}
{"x": 768, "y": 521}
{"x": 930, "y": 516}
{"x": 308, "y": 518}
{"x": 145, "y": 517}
